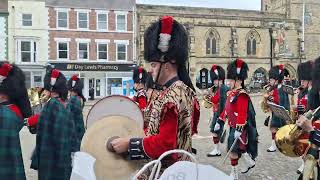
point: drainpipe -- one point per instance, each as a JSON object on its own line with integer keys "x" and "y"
{"x": 271, "y": 47}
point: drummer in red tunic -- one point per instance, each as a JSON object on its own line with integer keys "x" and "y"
{"x": 140, "y": 78}
{"x": 166, "y": 48}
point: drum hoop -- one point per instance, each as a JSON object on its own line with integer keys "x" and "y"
{"x": 86, "y": 126}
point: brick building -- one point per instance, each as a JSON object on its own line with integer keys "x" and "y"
{"x": 94, "y": 39}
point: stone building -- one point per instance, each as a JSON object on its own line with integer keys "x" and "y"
{"x": 218, "y": 36}
{"x": 294, "y": 9}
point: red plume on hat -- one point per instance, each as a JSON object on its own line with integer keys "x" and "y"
{"x": 74, "y": 79}
{"x": 281, "y": 68}
{"x": 140, "y": 71}
{"x": 165, "y": 34}
{"x": 215, "y": 70}
{"x": 4, "y": 71}
{"x": 54, "y": 75}
{"x": 239, "y": 64}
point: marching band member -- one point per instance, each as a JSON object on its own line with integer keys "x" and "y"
{"x": 312, "y": 126}
{"x": 75, "y": 105}
{"x": 169, "y": 128}
{"x": 277, "y": 96}
{"x": 242, "y": 140}
{"x": 218, "y": 100}
{"x": 305, "y": 78}
{"x": 55, "y": 140}
{"x": 14, "y": 107}
{"x": 140, "y": 78}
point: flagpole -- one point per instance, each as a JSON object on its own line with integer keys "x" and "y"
{"x": 303, "y": 25}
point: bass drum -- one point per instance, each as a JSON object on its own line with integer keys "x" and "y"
{"x": 114, "y": 105}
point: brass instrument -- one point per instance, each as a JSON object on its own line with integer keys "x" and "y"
{"x": 36, "y": 99}
{"x": 267, "y": 90}
{"x": 206, "y": 101}
{"x": 293, "y": 142}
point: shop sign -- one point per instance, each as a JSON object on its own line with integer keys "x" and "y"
{"x": 93, "y": 67}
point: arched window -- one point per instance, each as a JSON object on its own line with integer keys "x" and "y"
{"x": 212, "y": 42}
{"x": 253, "y": 38}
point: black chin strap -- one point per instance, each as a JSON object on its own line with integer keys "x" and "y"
{"x": 156, "y": 84}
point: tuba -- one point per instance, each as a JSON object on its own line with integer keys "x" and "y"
{"x": 293, "y": 142}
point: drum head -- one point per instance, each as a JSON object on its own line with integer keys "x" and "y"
{"x": 114, "y": 105}
{"x": 109, "y": 165}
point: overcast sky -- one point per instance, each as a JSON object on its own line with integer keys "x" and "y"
{"x": 230, "y": 4}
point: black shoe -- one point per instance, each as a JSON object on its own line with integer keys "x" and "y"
{"x": 271, "y": 151}
{"x": 216, "y": 155}
{"x": 298, "y": 172}
{"x": 248, "y": 169}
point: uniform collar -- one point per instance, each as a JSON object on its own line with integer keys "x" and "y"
{"x": 167, "y": 84}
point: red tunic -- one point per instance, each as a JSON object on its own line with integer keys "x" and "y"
{"x": 195, "y": 117}
{"x": 156, "y": 145}
{"x": 275, "y": 96}
{"x": 237, "y": 111}
{"x": 215, "y": 100}
{"x": 141, "y": 99}
{"x": 303, "y": 101}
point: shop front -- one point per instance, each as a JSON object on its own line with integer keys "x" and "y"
{"x": 101, "y": 80}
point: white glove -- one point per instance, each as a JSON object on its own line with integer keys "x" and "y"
{"x": 237, "y": 134}
{"x": 216, "y": 127}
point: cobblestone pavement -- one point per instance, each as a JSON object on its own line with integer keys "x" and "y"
{"x": 269, "y": 166}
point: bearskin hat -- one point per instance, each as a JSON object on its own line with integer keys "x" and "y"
{"x": 277, "y": 73}
{"x": 140, "y": 75}
{"x": 217, "y": 72}
{"x": 316, "y": 75}
{"x": 237, "y": 70}
{"x": 75, "y": 84}
{"x": 166, "y": 40}
{"x": 12, "y": 84}
{"x": 55, "y": 81}
{"x": 304, "y": 70}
